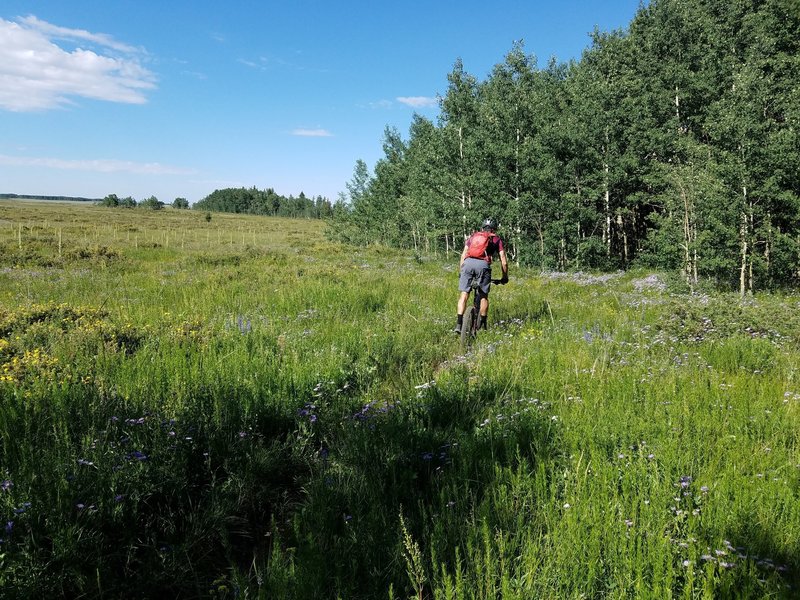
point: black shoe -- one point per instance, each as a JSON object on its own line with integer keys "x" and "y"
{"x": 457, "y": 329}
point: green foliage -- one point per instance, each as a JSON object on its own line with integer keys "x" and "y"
{"x": 276, "y": 415}
{"x": 151, "y": 203}
{"x": 673, "y": 142}
{"x": 180, "y": 203}
{"x": 110, "y": 200}
{"x": 265, "y": 202}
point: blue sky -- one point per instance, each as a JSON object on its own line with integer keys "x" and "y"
{"x": 177, "y": 99}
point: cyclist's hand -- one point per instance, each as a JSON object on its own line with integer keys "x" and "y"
{"x": 504, "y": 280}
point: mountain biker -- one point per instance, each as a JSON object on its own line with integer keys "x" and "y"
{"x": 476, "y": 263}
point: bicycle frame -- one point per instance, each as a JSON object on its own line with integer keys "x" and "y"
{"x": 472, "y": 316}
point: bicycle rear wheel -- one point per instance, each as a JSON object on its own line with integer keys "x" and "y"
{"x": 469, "y": 327}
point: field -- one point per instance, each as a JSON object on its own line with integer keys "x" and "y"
{"x": 236, "y": 407}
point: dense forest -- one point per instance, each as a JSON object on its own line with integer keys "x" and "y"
{"x": 672, "y": 144}
{"x": 265, "y": 202}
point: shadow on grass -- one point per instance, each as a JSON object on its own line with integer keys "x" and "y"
{"x": 765, "y": 561}
{"x": 435, "y": 460}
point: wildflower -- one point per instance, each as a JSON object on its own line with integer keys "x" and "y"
{"x": 83, "y": 461}
{"x": 685, "y": 481}
{"x": 9, "y": 527}
{"x": 6, "y": 485}
{"x": 704, "y": 489}
{"x": 119, "y": 497}
{"x": 451, "y": 504}
{"x": 566, "y": 505}
{"x": 686, "y": 563}
{"x": 427, "y": 455}
{"x": 136, "y": 455}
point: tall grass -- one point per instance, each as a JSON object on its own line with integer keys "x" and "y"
{"x": 240, "y": 408}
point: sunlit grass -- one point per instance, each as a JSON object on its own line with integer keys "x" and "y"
{"x": 240, "y": 407}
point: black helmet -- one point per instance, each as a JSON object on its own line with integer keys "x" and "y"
{"x": 489, "y": 224}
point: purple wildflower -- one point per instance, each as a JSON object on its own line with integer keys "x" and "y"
{"x": 25, "y": 506}
{"x": 6, "y": 485}
{"x": 9, "y": 527}
{"x": 136, "y": 455}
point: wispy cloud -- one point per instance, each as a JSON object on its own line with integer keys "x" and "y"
{"x": 38, "y": 74}
{"x": 95, "y": 165}
{"x": 312, "y": 132}
{"x": 55, "y": 32}
{"x": 380, "y": 104}
{"x": 417, "y": 101}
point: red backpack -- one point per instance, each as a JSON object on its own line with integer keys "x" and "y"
{"x": 479, "y": 245}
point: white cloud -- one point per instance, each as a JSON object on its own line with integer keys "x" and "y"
{"x": 380, "y": 104}
{"x": 417, "y": 101}
{"x": 94, "y": 165}
{"x": 54, "y": 31}
{"x": 37, "y": 74}
{"x": 312, "y": 132}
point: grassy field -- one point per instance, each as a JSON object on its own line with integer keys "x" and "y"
{"x": 239, "y": 408}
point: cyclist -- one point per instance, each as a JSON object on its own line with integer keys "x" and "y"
{"x": 476, "y": 263}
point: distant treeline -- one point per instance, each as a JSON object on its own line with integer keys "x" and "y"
{"x": 53, "y": 198}
{"x": 252, "y": 201}
{"x": 673, "y": 144}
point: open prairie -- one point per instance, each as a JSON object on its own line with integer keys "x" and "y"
{"x": 236, "y": 406}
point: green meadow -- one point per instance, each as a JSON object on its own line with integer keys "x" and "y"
{"x": 237, "y": 407}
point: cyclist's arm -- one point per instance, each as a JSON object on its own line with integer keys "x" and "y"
{"x": 504, "y": 265}
{"x": 463, "y": 256}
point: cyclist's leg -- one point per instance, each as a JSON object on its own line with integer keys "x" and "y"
{"x": 485, "y": 286}
{"x": 462, "y": 303}
{"x": 464, "y": 287}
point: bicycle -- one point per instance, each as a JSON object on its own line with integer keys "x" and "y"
{"x": 472, "y": 316}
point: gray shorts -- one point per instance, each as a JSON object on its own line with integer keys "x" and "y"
{"x": 475, "y": 269}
